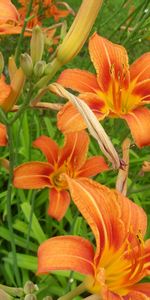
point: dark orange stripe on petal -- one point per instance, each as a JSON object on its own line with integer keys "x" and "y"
{"x": 139, "y": 124}
{"x": 59, "y": 202}
{"x": 32, "y": 175}
{"x": 66, "y": 253}
{"x": 48, "y": 147}
{"x": 78, "y": 80}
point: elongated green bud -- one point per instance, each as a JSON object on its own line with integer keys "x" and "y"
{"x": 37, "y": 44}
{"x": 1, "y": 63}
{"x": 39, "y": 68}
{"x": 26, "y": 64}
{"x": 48, "y": 68}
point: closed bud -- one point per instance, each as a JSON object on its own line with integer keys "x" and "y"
{"x": 48, "y": 68}
{"x": 37, "y": 44}
{"x": 48, "y": 298}
{"x": 39, "y": 68}
{"x": 26, "y": 64}
{"x": 30, "y": 297}
{"x": 29, "y": 287}
{"x": 1, "y": 63}
{"x": 79, "y": 31}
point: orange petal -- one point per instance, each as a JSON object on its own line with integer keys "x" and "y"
{"x": 136, "y": 296}
{"x": 100, "y": 209}
{"x": 110, "y": 215}
{"x": 8, "y": 11}
{"x": 142, "y": 89}
{"x": 3, "y": 135}
{"x": 107, "y": 56}
{"x": 133, "y": 216}
{"x": 5, "y": 89}
{"x": 75, "y": 149}
{"x": 9, "y": 29}
{"x": 107, "y": 295}
{"x": 140, "y": 69}
{"x": 139, "y": 124}
{"x": 32, "y": 175}
{"x": 69, "y": 119}
{"x": 59, "y": 202}
{"x": 93, "y": 166}
{"x": 143, "y": 288}
{"x": 48, "y": 147}
{"x": 78, "y": 80}
{"x": 66, "y": 253}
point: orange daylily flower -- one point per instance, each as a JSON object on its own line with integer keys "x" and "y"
{"x": 121, "y": 257}
{"x": 71, "y": 160}
{"x": 117, "y": 90}
{"x": 3, "y": 135}
{"x": 12, "y": 20}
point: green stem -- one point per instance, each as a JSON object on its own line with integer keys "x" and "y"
{"x": 17, "y": 52}
{"x": 77, "y": 291}
{"x": 9, "y": 196}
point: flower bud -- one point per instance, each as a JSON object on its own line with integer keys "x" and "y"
{"x": 37, "y": 44}
{"x": 48, "y": 298}
{"x": 29, "y": 287}
{"x": 79, "y": 31}
{"x": 1, "y": 63}
{"x": 30, "y": 297}
{"x": 48, "y": 68}
{"x": 26, "y": 64}
{"x": 39, "y": 68}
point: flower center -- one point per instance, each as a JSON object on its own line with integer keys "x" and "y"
{"x": 118, "y": 271}
{"x": 57, "y": 178}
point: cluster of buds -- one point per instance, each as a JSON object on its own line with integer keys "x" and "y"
{"x": 28, "y": 292}
{"x": 33, "y": 64}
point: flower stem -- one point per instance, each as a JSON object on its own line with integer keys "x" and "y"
{"x": 17, "y": 52}
{"x": 77, "y": 291}
{"x": 9, "y": 196}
